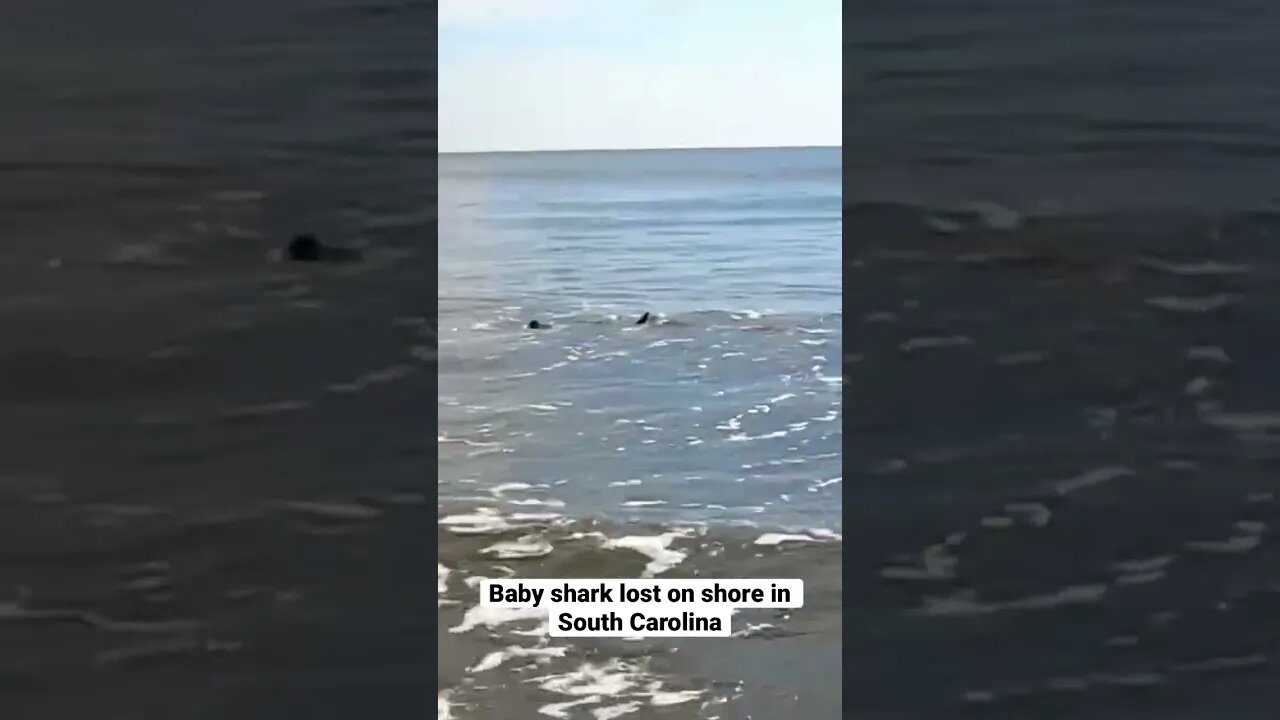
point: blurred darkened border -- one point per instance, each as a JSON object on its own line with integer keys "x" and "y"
{"x": 431, "y": 477}
{"x": 857, "y": 556}
{"x": 205, "y": 512}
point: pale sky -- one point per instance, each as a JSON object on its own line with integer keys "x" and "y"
{"x": 605, "y": 74}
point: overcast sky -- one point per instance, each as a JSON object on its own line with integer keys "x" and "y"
{"x": 603, "y": 74}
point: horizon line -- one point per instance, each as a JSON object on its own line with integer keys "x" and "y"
{"x": 639, "y": 149}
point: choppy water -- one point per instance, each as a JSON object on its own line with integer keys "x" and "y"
{"x": 726, "y": 408}
{"x": 213, "y": 490}
{"x": 705, "y": 443}
{"x": 1062, "y": 303}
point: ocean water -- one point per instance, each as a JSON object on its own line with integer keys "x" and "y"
{"x": 726, "y": 407}
{"x": 704, "y": 442}
{"x": 213, "y": 465}
{"x": 1060, "y": 285}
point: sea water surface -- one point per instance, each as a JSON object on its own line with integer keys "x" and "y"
{"x": 704, "y": 442}
{"x": 726, "y": 406}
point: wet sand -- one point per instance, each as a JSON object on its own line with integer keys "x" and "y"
{"x": 779, "y": 663}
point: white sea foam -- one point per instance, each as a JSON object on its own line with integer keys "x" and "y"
{"x": 609, "y": 679}
{"x": 497, "y": 658}
{"x": 560, "y": 710}
{"x": 660, "y": 699}
{"x": 773, "y": 539}
{"x": 527, "y": 546}
{"x": 535, "y": 501}
{"x": 505, "y": 487}
{"x": 523, "y": 517}
{"x": 752, "y": 630}
{"x": 491, "y": 617}
{"x": 488, "y": 521}
{"x": 824, "y": 483}
{"x": 609, "y": 712}
{"x": 743, "y": 437}
{"x": 655, "y": 547}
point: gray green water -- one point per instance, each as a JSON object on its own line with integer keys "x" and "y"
{"x": 677, "y": 448}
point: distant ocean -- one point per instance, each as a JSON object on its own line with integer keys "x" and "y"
{"x": 705, "y": 442}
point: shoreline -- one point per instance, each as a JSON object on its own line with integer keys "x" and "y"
{"x": 497, "y": 663}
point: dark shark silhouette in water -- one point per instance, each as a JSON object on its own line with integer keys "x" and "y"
{"x": 539, "y": 325}
{"x": 306, "y": 248}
